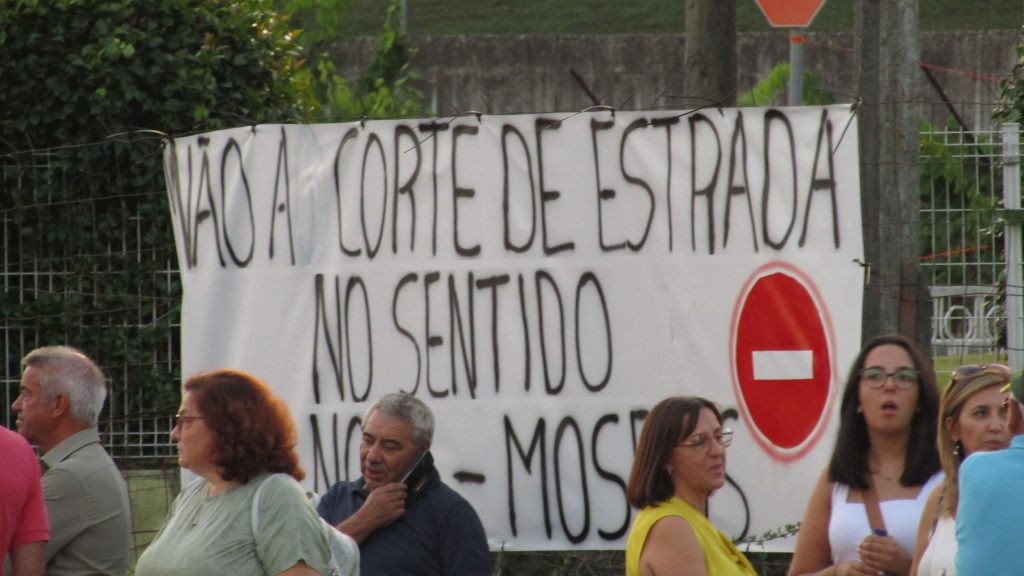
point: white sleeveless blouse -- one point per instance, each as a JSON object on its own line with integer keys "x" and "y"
{"x": 849, "y": 525}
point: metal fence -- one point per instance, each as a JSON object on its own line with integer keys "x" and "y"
{"x": 92, "y": 289}
{"x": 970, "y": 184}
{"x": 967, "y": 238}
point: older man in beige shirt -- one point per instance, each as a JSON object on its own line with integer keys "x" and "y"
{"x": 62, "y": 392}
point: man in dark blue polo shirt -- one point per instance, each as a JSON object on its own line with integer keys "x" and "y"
{"x": 423, "y": 529}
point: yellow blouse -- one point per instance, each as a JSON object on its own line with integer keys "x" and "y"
{"x": 720, "y": 554}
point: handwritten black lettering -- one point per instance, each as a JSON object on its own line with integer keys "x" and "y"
{"x": 433, "y": 340}
{"x": 456, "y": 326}
{"x": 372, "y": 247}
{"x": 459, "y": 193}
{"x": 282, "y": 179}
{"x": 773, "y": 156}
{"x": 542, "y": 277}
{"x": 405, "y": 332}
{"x": 326, "y": 333}
{"x": 349, "y": 135}
{"x": 538, "y": 448}
{"x": 493, "y": 283}
{"x": 506, "y": 197}
{"x": 610, "y": 477}
{"x": 738, "y": 161}
{"x": 405, "y": 188}
{"x": 232, "y": 150}
{"x": 353, "y": 431}
{"x": 590, "y": 279}
{"x": 568, "y": 423}
{"x": 637, "y": 181}
{"x": 603, "y": 194}
{"x": 668, "y": 123}
{"x": 825, "y": 183}
{"x": 431, "y": 129}
{"x": 546, "y": 196}
{"x": 708, "y": 190}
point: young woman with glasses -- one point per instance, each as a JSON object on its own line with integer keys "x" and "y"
{"x": 886, "y": 443}
{"x": 680, "y": 461}
{"x": 972, "y": 418}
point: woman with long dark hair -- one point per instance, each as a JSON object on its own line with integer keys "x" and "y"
{"x": 885, "y": 447}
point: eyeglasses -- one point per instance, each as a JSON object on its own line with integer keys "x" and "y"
{"x": 970, "y": 370}
{"x": 904, "y": 378}
{"x": 701, "y": 443}
{"x": 182, "y": 419}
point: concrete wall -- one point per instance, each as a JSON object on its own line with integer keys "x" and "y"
{"x": 513, "y": 74}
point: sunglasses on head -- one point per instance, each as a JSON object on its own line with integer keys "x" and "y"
{"x": 970, "y": 370}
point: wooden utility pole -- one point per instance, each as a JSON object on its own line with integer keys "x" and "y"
{"x": 887, "y": 74}
{"x": 710, "y": 53}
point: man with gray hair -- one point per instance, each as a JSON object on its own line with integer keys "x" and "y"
{"x": 405, "y": 519}
{"x": 62, "y": 393}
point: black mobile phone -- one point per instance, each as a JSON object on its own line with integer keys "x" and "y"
{"x": 418, "y": 471}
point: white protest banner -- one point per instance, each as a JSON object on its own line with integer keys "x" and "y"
{"x": 541, "y": 281}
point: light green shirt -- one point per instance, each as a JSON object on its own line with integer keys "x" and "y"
{"x": 213, "y": 535}
{"x": 720, "y": 554}
{"x": 87, "y": 503}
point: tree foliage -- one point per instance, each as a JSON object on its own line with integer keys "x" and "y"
{"x": 385, "y": 90}
{"x": 1011, "y": 92}
{"x": 319, "y": 20}
{"x": 88, "y": 88}
{"x": 771, "y": 90}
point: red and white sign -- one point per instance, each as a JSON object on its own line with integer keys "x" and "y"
{"x": 783, "y": 359}
{"x": 790, "y": 13}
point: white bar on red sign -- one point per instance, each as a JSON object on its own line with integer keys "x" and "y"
{"x": 783, "y": 365}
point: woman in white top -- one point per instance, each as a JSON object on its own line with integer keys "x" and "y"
{"x": 972, "y": 418}
{"x": 886, "y": 441}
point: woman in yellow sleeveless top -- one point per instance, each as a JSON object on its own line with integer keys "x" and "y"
{"x": 680, "y": 461}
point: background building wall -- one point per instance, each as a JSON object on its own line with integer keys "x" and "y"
{"x": 514, "y": 74}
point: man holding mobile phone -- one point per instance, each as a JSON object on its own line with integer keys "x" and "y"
{"x": 405, "y": 519}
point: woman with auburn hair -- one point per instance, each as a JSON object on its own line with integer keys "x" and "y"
{"x": 234, "y": 432}
{"x": 680, "y": 461}
{"x": 884, "y": 454}
{"x": 972, "y": 418}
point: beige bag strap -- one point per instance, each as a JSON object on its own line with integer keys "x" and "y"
{"x": 874, "y": 510}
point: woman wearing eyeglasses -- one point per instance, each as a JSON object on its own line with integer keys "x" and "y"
{"x": 680, "y": 461}
{"x": 886, "y": 447}
{"x": 972, "y": 418}
{"x": 233, "y": 432}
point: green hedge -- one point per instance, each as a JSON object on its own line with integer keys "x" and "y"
{"x": 88, "y": 89}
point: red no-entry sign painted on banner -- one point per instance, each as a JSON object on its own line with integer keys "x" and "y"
{"x": 790, "y": 13}
{"x": 782, "y": 359}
